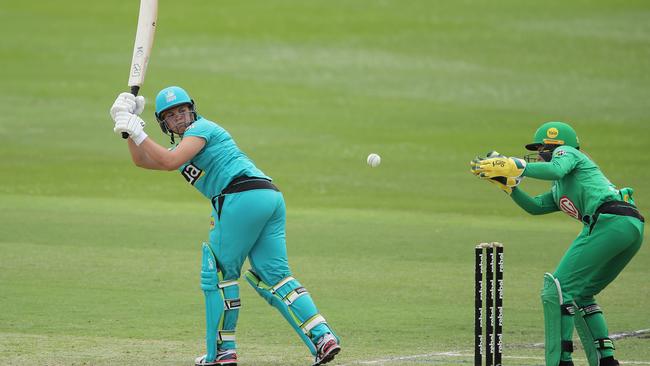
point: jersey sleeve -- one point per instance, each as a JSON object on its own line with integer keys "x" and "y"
{"x": 538, "y": 205}
{"x": 201, "y": 128}
{"x": 564, "y": 160}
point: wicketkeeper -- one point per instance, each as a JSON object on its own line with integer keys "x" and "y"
{"x": 611, "y": 235}
{"x": 248, "y": 220}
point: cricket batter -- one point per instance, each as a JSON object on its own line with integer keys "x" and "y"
{"x": 611, "y": 235}
{"x": 248, "y": 220}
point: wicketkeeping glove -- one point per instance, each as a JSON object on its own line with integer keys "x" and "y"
{"x": 127, "y": 102}
{"x": 131, "y": 124}
{"x": 506, "y": 184}
{"x": 501, "y": 166}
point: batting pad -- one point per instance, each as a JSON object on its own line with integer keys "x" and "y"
{"x": 586, "y": 338}
{"x": 551, "y": 301}
{"x": 214, "y": 305}
{"x": 294, "y": 303}
{"x": 231, "y": 305}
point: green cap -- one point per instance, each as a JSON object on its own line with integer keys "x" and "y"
{"x": 554, "y": 133}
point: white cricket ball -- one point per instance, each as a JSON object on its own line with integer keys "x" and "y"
{"x": 374, "y": 160}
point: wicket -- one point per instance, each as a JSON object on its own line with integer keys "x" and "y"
{"x": 492, "y": 348}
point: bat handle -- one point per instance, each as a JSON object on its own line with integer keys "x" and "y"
{"x": 134, "y": 90}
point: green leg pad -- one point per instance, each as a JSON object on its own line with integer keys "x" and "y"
{"x": 593, "y": 332}
{"x": 551, "y": 301}
{"x": 587, "y": 341}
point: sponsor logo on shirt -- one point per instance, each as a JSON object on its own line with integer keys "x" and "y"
{"x": 569, "y": 208}
{"x": 559, "y": 152}
{"x": 191, "y": 173}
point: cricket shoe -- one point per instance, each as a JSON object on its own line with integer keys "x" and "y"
{"x": 327, "y": 347}
{"x": 227, "y": 357}
{"x": 608, "y": 361}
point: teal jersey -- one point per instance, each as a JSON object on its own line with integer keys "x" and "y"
{"x": 219, "y": 162}
{"x": 579, "y": 186}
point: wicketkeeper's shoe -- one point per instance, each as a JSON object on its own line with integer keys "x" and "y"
{"x": 608, "y": 361}
{"x": 327, "y": 347}
{"x": 227, "y": 357}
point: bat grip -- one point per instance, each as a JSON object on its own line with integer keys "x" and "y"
{"x": 134, "y": 90}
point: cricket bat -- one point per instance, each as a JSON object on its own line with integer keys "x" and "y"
{"x": 142, "y": 47}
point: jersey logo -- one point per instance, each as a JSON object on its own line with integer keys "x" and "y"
{"x": 191, "y": 173}
{"x": 560, "y": 152}
{"x": 569, "y": 208}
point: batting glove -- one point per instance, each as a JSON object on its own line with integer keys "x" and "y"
{"x": 127, "y": 102}
{"x": 131, "y": 124}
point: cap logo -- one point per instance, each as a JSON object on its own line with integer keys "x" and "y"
{"x": 552, "y": 132}
{"x": 170, "y": 96}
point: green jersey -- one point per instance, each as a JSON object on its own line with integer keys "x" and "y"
{"x": 579, "y": 186}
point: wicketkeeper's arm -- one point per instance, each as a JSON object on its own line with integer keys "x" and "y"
{"x": 538, "y": 205}
{"x": 562, "y": 163}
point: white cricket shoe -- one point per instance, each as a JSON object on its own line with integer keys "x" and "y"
{"x": 327, "y": 347}
{"x": 226, "y": 357}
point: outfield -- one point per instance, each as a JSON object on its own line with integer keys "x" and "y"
{"x": 99, "y": 260}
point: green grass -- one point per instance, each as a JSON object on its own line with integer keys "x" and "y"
{"x": 99, "y": 260}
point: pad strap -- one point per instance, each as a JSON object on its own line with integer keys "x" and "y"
{"x": 231, "y": 304}
{"x": 280, "y": 284}
{"x": 294, "y": 295}
{"x": 568, "y": 309}
{"x": 224, "y": 284}
{"x": 590, "y": 310}
{"x": 312, "y": 322}
{"x": 226, "y": 335}
{"x": 567, "y": 346}
{"x": 604, "y": 343}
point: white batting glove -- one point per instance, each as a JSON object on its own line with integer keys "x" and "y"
{"x": 131, "y": 124}
{"x": 139, "y": 105}
{"x": 127, "y": 102}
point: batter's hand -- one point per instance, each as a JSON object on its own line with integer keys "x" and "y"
{"x": 502, "y": 166}
{"x": 131, "y": 124}
{"x": 127, "y": 102}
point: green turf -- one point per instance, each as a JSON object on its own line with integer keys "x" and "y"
{"x": 99, "y": 260}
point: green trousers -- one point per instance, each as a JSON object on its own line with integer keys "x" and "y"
{"x": 593, "y": 261}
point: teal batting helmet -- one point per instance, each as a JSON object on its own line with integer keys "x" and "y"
{"x": 170, "y": 97}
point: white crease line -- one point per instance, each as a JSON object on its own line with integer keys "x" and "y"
{"x": 635, "y": 333}
{"x": 457, "y": 354}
